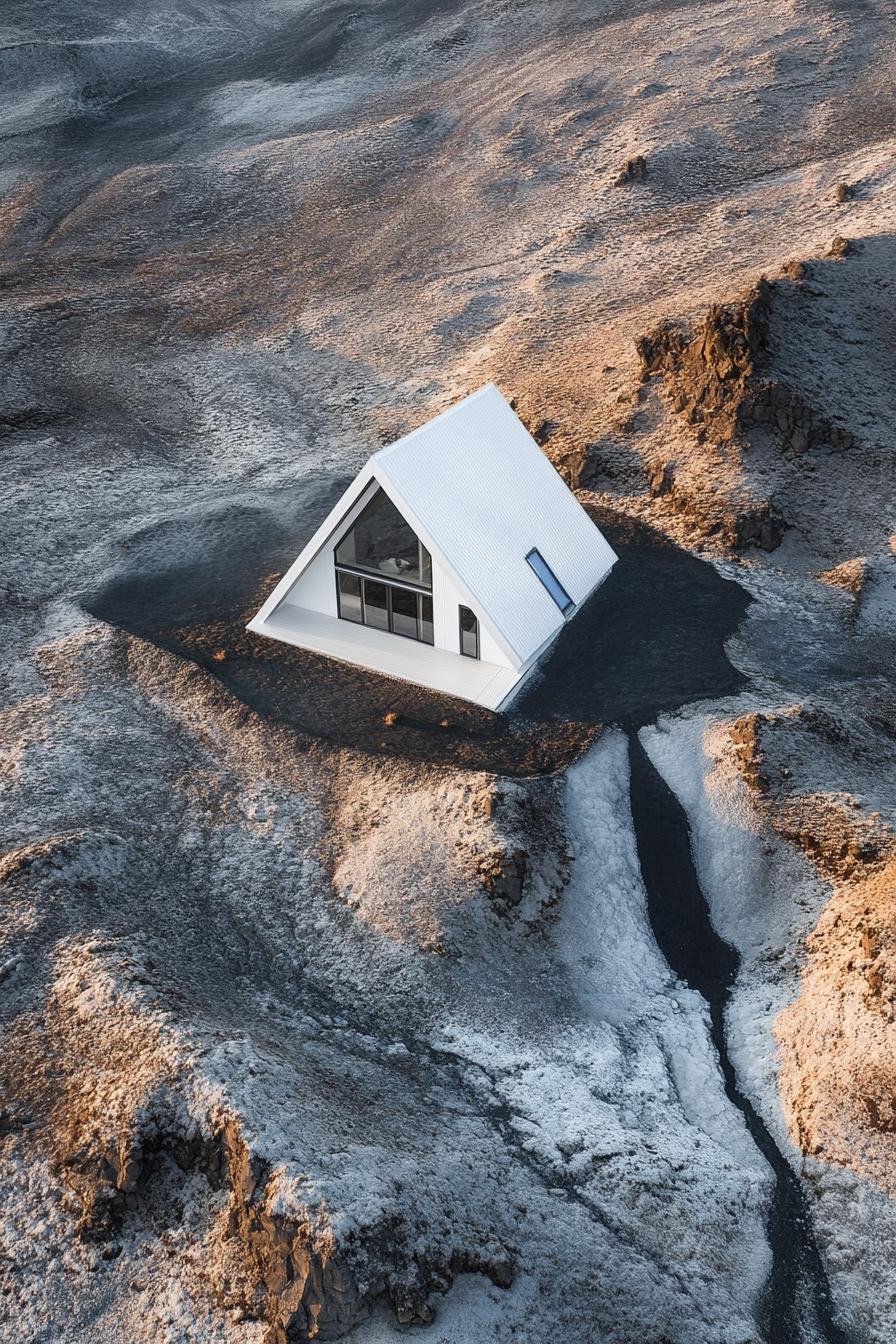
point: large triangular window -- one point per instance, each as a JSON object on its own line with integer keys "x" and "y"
{"x": 381, "y": 542}
{"x": 384, "y": 573}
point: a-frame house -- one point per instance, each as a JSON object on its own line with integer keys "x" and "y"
{"x": 453, "y": 560}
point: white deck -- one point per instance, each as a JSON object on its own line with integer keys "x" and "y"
{"x": 484, "y": 684}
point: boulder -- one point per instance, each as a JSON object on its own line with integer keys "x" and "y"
{"x": 634, "y": 170}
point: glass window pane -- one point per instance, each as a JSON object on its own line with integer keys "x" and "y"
{"x": 469, "y": 633}
{"x": 404, "y": 612}
{"x": 426, "y": 627}
{"x": 383, "y": 542}
{"x": 376, "y": 605}
{"x": 348, "y": 591}
{"x": 550, "y": 580}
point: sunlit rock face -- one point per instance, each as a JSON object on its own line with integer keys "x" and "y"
{"x": 824, "y": 776}
{"x": 836, "y": 1039}
{"x": 329, "y": 1010}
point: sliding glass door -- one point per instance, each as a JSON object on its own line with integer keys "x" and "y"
{"x": 397, "y": 608}
{"x": 376, "y": 604}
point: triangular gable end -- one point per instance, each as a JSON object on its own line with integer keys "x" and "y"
{"x": 413, "y": 521}
{"x": 328, "y": 534}
{"x": 313, "y": 547}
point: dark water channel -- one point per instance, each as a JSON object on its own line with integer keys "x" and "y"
{"x": 796, "y": 1306}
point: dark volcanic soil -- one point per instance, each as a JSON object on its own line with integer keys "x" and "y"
{"x": 651, "y": 639}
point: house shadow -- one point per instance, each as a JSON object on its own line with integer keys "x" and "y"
{"x": 652, "y": 638}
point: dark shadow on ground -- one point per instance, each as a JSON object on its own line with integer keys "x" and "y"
{"x": 652, "y": 638}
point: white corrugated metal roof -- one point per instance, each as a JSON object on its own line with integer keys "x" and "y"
{"x": 478, "y": 487}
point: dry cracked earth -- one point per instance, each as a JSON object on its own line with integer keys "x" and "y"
{"x": 331, "y": 1011}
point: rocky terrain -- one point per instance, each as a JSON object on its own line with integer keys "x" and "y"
{"x": 331, "y": 1011}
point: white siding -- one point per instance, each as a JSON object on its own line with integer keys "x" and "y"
{"x": 447, "y": 597}
{"x": 315, "y": 589}
{"x": 485, "y": 684}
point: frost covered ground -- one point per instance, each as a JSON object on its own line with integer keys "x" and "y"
{"x": 765, "y": 900}
{"x": 308, "y": 1038}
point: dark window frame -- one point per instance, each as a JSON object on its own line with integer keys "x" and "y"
{"x": 365, "y": 604}
{"x": 402, "y": 634}
{"x": 421, "y": 598}
{"x": 339, "y": 612}
{"x": 421, "y": 594}
{"x": 461, "y": 631}
{"x": 564, "y": 607}
{"x": 380, "y": 577}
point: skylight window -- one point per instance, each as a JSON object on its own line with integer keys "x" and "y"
{"x": 547, "y": 576}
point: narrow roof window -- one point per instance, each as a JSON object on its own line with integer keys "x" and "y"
{"x": 541, "y": 567}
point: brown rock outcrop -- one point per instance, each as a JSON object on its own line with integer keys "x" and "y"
{"x": 840, "y": 247}
{"x": 746, "y": 735}
{"x": 744, "y": 421}
{"x": 115, "y": 1095}
{"x": 292, "y": 1275}
{"x": 292, "y": 1272}
{"x": 634, "y": 170}
{"x": 306, "y": 1291}
{"x": 842, "y": 839}
{"x": 833, "y": 833}
{"x": 706, "y": 374}
{"x": 736, "y": 519}
{"x": 836, "y": 1040}
{"x": 503, "y": 874}
{"x": 661, "y": 479}
{"x": 720, "y": 381}
{"x": 837, "y": 1048}
{"x": 850, "y": 576}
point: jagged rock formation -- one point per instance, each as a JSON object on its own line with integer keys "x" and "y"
{"x": 707, "y": 373}
{"x": 774, "y": 751}
{"x": 114, "y": 1090}
{"x": 707, "y": 378}
{"x": 719, "y": 380}
{"x": 757, "y": 418}
{"x": 838, "y": 1055}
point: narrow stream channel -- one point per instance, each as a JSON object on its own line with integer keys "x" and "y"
{"x": 796, "y": 1306}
